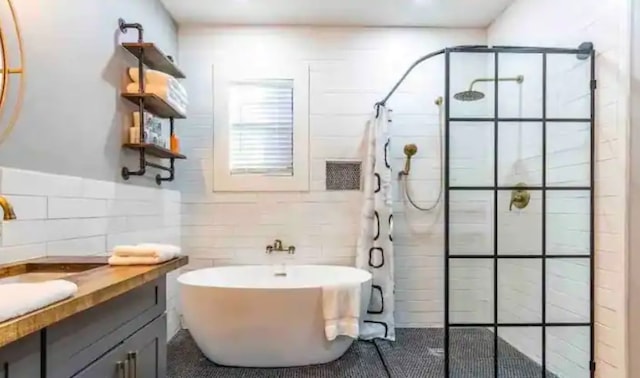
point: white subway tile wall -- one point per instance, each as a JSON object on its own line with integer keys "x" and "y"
{"x": 547, "y": 23}
{"x": 350, "y": 69}
{"x": 72, "y": 216}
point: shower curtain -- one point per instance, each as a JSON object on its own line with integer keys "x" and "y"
{"x": 375, "y": 242}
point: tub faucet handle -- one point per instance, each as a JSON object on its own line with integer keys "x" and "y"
{"x": 269, "y": 249}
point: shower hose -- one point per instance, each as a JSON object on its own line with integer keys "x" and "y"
{"x": 407, "y": 190}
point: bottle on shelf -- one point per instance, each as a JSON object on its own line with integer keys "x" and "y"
{"x": 175, "y": 144}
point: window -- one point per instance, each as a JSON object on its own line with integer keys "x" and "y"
{"x": 261, "y": 128}
{"x": 261, "y": 122}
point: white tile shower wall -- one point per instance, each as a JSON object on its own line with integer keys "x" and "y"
{"x": 607, "y": 25}
{"x": 350, "y": 69}
{"x": 73, "y": 216}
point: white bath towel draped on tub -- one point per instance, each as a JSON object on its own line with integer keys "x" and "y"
{"x": 341, "y": 309}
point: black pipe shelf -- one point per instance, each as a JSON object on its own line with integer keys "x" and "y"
{"x": 153, "y": 58}
{"x": 149, "y": 56}
{"x": 154, "y": 104}
{"x": 154, "y": 150}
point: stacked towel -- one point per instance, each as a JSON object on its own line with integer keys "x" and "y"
{"x": 22, "y": 298}
{"x": 168, "y": 94}
{"x": 341, "y": 309}
{"x": 143, "y": 254}
{"x": 153, "y": 77}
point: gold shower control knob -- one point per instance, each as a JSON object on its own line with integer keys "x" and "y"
{"x": 519, "y": 197}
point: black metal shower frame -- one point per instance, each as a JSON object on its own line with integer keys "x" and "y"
{"x": 583, "y": 52}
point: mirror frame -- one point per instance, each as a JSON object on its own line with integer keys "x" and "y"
{"x": 6, "y": 71}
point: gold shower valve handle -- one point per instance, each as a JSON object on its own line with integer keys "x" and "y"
{"x": 519, "y": 197}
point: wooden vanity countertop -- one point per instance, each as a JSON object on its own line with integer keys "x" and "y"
{"x": 95, "y": 286}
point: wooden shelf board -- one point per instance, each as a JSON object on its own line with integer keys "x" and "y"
{"x": 152, "y": 149}
{"x": 154, "y": 104}
{"x": 154, "y": 58}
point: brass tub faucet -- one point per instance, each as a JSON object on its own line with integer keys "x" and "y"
{"x": 278, "y": 247}
{"x": 9, "y": 214}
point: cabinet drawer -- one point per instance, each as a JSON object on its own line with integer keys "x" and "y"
{"x": 149, "y": 347}
{"x": 76, "y": 342}
{"x": 21, "y": 359}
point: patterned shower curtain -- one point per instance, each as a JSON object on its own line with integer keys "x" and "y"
{"x": 375, "y": 242}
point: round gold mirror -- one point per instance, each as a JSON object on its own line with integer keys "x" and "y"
{"x": 12, "y": 69}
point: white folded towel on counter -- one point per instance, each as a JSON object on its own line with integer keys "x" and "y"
{"x": 341, "y": 309}
{"x": 21, "y": 298}
{"x": 136, "y": 260}
{"x": 143, "y": 254}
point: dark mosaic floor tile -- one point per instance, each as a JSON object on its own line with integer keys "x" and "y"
{"x": 185, "y": 360}
{"x": 417, "y": 353}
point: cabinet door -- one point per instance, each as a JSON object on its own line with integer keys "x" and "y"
{"x": 21, "y": 359}
{"x": 149, "y": 346}
{"x": 111, "y": 365}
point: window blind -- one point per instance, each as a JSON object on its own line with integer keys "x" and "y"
{"x": 261, "y": 127}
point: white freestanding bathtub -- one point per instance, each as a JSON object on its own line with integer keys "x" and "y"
{"x": 249, "y": 316}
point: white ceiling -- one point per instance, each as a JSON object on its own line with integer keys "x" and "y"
{"x": 434, "y": 13}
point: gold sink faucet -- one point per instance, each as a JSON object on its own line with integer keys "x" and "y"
{"x": 9, "y": 214}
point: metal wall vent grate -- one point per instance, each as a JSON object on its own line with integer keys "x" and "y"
{"x": 343, "y": 175}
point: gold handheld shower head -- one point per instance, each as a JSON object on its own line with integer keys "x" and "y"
{"x": 409, "y": 151}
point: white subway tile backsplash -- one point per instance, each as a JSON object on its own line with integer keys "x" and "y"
{"x": 19, "y": 232}
{"x": 58, "y": 229}
{"x": 22, "y": 252}
{"x": 78, "y": 247}
{"x": 63, "y": 215}
{"x": 60, "y": 208}
{"x": 21, "y": 182}
{"x": 29, "y": 207}
{"x": 98, "y": 189}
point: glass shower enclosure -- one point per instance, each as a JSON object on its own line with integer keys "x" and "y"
{"x": 518, "y": 208}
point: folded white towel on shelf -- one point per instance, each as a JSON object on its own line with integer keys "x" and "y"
{"x": 153, "y": 77}
{"x": 143, "y": 254}
{"x": 166, "y": 93}
{"x": 21, "y": 298}
{"x": 341, "y": 309}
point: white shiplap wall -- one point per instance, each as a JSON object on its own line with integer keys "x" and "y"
{"x": 350, "y": 69}
{"x": 73, "y": 216}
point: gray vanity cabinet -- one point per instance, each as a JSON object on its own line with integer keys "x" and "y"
{"x": 124, "y": 337}
{"x": 21, "y": 359}
{"x": 140, "y": 356}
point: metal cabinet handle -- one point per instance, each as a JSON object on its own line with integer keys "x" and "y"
{"x": 132, "y": 357}
{"x": 121, "y": 367}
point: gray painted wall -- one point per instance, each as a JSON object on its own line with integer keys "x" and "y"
{"x": 72, "y": 120}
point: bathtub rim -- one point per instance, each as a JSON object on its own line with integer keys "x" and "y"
{"x": 181, "y": 278}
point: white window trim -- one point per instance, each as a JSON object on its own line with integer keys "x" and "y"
{"x": 223, "y": 75}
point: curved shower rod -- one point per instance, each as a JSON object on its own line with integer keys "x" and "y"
{"x": 583, "y": 52}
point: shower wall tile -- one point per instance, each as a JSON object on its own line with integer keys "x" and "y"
{"x": 350, "y": 69}
{"x": 606, "y": 25}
